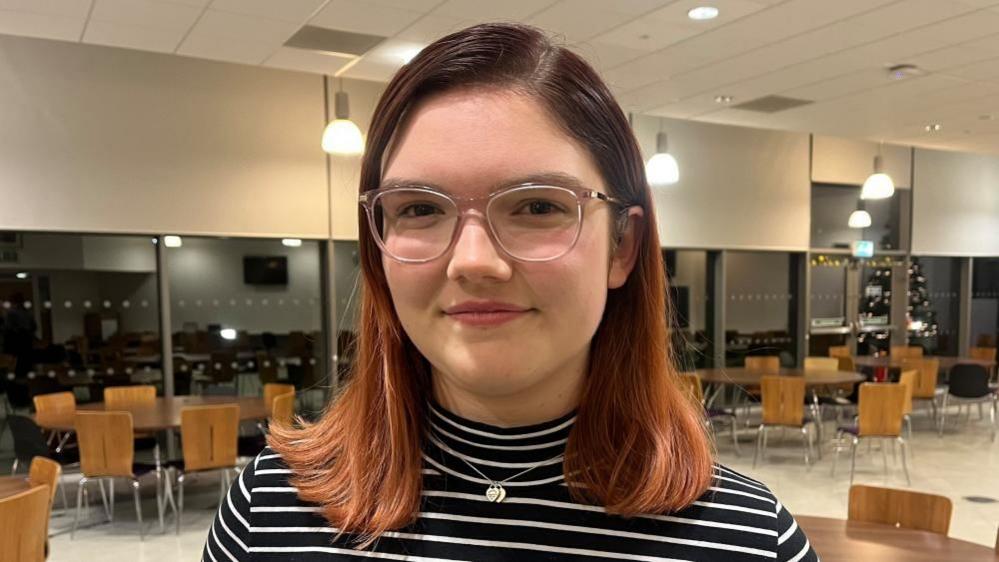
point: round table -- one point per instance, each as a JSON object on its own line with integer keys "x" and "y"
{"x": 163, "y": 414}
{"x": 12, "y": 485}
{"x": 744, "y": 377}
{"x": 946, "y": 363}
{"x": 840, "y": 540}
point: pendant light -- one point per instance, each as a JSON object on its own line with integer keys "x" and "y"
{"x": 662, "y": 168}
{"x": 860, "y": 219}
{"x": 879, "y": 184}
{"x": 341, "y": 135}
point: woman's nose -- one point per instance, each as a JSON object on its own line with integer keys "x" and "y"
{"x": 475, "y": 255}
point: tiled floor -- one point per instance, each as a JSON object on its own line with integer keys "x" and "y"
{"x": 964, "y": 463}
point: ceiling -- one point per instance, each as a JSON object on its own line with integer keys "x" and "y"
{"x": 657, "y": 60}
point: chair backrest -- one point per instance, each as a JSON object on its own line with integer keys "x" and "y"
{"x": 783, "y": 400}
{"x": 273, "y": 390}
{"x": 879, "y": 408}
{"x": 926, "y": 378}
{"x": 847, "y": 364}
{"x": 55, "y": 404}
{"x": 839, "y": 351}
{"x": 908, "y": 380}
{"x": 129, "y": 397}
{"x": 24, "y": 525}
{"x": 982, "y": 353}
{"x": 821, "y": 363}
{"x": 284, "y": 409}
{"x": 900, "y": 508}
{"x": 691, "y": 384}
{"x": 106, "y": 442}
{"x": 766, "y": 364}
{"x": 45, "y": 472}
{"x": 209, "y": 435}
{"x": 902, "y": 351}
{"x": 29, "y": 441}
{"x": 969, "y": 380}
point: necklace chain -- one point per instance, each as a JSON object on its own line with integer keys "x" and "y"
{"x": 495, "y": 492}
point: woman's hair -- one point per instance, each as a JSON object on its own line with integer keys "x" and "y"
{"x": 638, "y": 444}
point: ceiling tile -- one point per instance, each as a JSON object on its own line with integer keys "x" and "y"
{"x": 604, "y": 55}
{"x": 646, "y": 34}
{"x": 133, "y": 36}
{"x": 579, "y": 20}
{"x": 296, "y": 11}
{"x": 983, "y": 70}
{"x": 144, "y": 13}
{"x": 430, "y": 28}
{"x": 382, "y": 62}
{"x": 45, "y": 26}
{"x": 307, "y": 61}
{"x": 958, "y": 55}
{"x": 236, "y": 37}
{"x": 65, "y": 8}
{"x": 363, "y": 17}
{"x": 489, "y": 10}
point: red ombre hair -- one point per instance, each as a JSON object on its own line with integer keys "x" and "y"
{"x": 638, "y": 445}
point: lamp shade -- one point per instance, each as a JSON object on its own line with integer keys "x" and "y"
{"x": 879, "y": 184}
{"x": 662, "y": 168}
{"x": 860, "y": 219}
{"x": 342, "y": 137}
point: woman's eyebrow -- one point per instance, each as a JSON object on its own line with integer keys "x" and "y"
{"x": 561, "y": 179}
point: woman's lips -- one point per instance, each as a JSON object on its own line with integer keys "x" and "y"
{"x": 487, "y": 318}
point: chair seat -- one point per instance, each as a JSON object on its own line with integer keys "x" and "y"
{"x": 718, "y": 412}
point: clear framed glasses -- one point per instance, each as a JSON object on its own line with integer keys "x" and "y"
{"x": 529, "y": 222}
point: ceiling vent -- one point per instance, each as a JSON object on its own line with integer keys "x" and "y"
{"x": 333, "y": 41}
{"x": 771, "y": 104}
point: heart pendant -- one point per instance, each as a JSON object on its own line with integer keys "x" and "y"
{"x": 495, "y": 493}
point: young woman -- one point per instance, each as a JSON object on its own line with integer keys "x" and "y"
{"x": 513, "y": 396}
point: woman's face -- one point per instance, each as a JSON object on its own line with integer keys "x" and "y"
{"x": 469, "y": 143}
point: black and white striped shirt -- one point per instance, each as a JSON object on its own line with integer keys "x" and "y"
{"x": 737, "y": 519}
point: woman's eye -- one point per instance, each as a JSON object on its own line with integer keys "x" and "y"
{"x": 540, "y": 207}
{"x": 418, "y": 210}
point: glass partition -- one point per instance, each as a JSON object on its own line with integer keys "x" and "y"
{"x": 689, "y": 292}
{"x": 934, "y": 304}
{"x": 985, "y": 302}
{"x": 760, "y": 307}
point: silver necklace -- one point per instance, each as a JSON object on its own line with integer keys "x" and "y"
{"x": 496, "y": 493}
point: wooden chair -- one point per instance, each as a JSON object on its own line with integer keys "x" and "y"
{"x": 208, "y": 437}
{"x": 272, "y": 391}
{"x": 982, "y": 353}
{"x": 906, "y": 351}
{"x": 283, "y": 410}
{"x": 821, "y": 363}
{"x": 908, "y": 381}
{"x": 107, "y": 452}
{"x": 45, "y": 472}
{"x": 925, "y": 389}
{"x": 24, "y": 525}
{"x": 880, "y": 409}
{"x": 129, "y": 397}
{"x": 900, "y": 508}
{"x": 783, "y": 406}
{"x": 839, "y": 351}
{"x": 766, "y": 364}
{"x": 691, "y": 384}
{"x": 55, "y": 405}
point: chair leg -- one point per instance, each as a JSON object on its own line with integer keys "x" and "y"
{"x": 905, "y": 464}
{"x": 138, "y": 509}
{"x": 884, "y": 455}
{"x": 160, "y": 503}
{"x": 839, "y": 440}
{"x": 81, "y": 488}
{"x": 62, "y": 491}
{"x": 853, "y": 459}
{"x": 760, "y": 435}
{"x": 806, "y": 443}
{"x": 111, "y": 498}
{"x": 943, "y": 416}
{"x": 180, "y": 498}
{"x": 13, "y": 467}
{"x": 104, "y": 501}
{"x": 735, "y": 437}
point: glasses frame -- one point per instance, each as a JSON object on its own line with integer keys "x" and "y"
{"x": 465, "y": 205}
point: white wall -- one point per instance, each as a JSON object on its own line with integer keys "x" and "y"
{"x": 955, "y": 204}
{"x": 99, "y": 139}
{"x": 739, "y": 187}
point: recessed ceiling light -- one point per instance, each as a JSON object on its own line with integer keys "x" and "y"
{"x": 932, "y": 127}
{"x": 903, "y": 71}
{"x": 723, "y": 99}
{"x": 701, "y": 13}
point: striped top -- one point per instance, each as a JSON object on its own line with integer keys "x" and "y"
{"x": 737, "y": 519}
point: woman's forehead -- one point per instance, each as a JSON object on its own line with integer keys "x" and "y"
{"x": 474, "y": 141}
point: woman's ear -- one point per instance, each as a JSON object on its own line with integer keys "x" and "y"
{"x": 625, "y": 251}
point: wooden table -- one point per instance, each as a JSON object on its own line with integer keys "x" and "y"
{"x": 744, "y": 377}
{"x": 946, "y": 363}
{"x": 164, "y": 414}
{"x": 11, "y": 485}
{"x": 838, "y": 540}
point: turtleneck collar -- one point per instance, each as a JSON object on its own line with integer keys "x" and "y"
{"x": 498, "y": 452}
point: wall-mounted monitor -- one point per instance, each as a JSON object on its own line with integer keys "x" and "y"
{"x": 265, "y": 270}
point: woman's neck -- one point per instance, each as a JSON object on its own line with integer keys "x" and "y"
{"x": 553, "y": 397}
